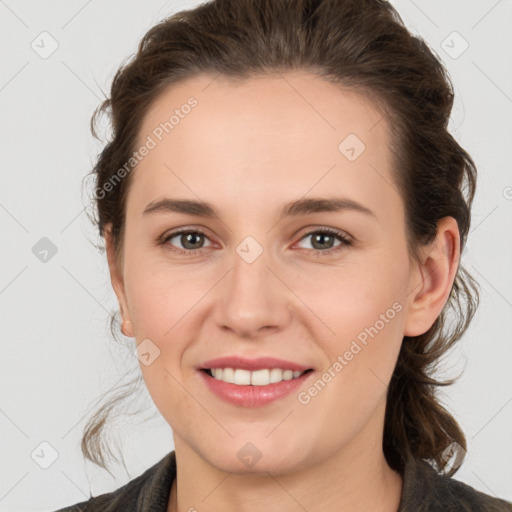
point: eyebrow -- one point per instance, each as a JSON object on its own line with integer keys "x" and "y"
{"x": 291, "y": 209}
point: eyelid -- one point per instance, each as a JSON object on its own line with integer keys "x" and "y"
{"x": 344, "y": 238}
{"x": 164, "y": 239}
{"x": 309, "y": 230}
{"x": 184, "y": 229}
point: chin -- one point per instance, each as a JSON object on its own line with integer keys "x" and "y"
{"x": 241, "y": 456}
{"x": 257, "y": 467}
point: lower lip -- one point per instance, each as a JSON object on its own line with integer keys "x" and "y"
{"x": 253, "y": 396}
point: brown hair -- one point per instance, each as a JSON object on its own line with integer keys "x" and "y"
{"x": 362, "y": 45}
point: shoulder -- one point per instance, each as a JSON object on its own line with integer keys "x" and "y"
{"x": 426, "y": 490}
{"x": 148, "y": 491}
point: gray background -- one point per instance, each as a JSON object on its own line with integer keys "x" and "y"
{"x": 57, "y": 355}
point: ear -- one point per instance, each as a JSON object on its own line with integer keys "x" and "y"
{"x": 116, "y": 278}
{"x": 432, "y": 280}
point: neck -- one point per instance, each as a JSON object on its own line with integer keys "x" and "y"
{"x": 355, "y": 478}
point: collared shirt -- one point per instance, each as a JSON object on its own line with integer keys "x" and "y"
{"x": 424, "y": 490}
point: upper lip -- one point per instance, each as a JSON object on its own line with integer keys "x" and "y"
{"x": 259, "y": 363}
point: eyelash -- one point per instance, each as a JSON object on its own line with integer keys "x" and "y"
{"x": 324, "y": 231}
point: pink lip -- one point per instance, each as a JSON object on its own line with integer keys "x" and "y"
{"x": 252, "y": 396}
{"x": 259, "y": 363}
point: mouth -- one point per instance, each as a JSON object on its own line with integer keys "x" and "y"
{"x": 263, "y": 377}
{"x": 253, "y": 382}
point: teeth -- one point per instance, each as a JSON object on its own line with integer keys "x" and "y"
{"x": 287, "y": 375}
{"x": 259, "y": 377}
{"x": 228, "y": 375}
{"x": 276, "y": 375}
{"x": 255, "y": 378}
{"x": 242, "y": 377}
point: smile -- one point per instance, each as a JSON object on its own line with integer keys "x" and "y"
{"x": 262, "y": 377}
{"x": 253, "y": 388}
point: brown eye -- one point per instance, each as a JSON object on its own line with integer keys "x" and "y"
{"x": 189, "y": 240}
{"x": 324, "y": 240}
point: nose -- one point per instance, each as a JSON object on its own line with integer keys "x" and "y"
{"x": 253, "y": 300}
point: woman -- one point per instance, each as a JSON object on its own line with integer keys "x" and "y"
{"x": 283, "y": 214}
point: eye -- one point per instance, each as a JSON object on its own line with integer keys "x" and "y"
{"x": 191, "y": 240}
{"x": 323, "y": 240}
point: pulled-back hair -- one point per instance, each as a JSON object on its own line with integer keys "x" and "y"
{"x": 363, "y": 46}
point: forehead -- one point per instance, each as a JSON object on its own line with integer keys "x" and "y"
{"x": 266, "y": 105}
{"x": 288, "y": 132}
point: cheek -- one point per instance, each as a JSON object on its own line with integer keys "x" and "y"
{"x": 355, "y": 294}
{"x": 159, "y": 297}
{"x": 367, "y": 318}
{"x": 361, "y": 308}
{"x": 162, "y": 308}
{"x": 336, "y": 302}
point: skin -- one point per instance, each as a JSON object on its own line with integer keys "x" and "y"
{"x": 248, "y": 148}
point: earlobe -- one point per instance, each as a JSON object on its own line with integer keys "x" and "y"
{"x": 126, "y": 328}
{"x": 116, "y": 278}
{"x": 431, "y": 284}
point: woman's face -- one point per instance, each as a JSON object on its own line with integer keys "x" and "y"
{"x": 251, "y": 283}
